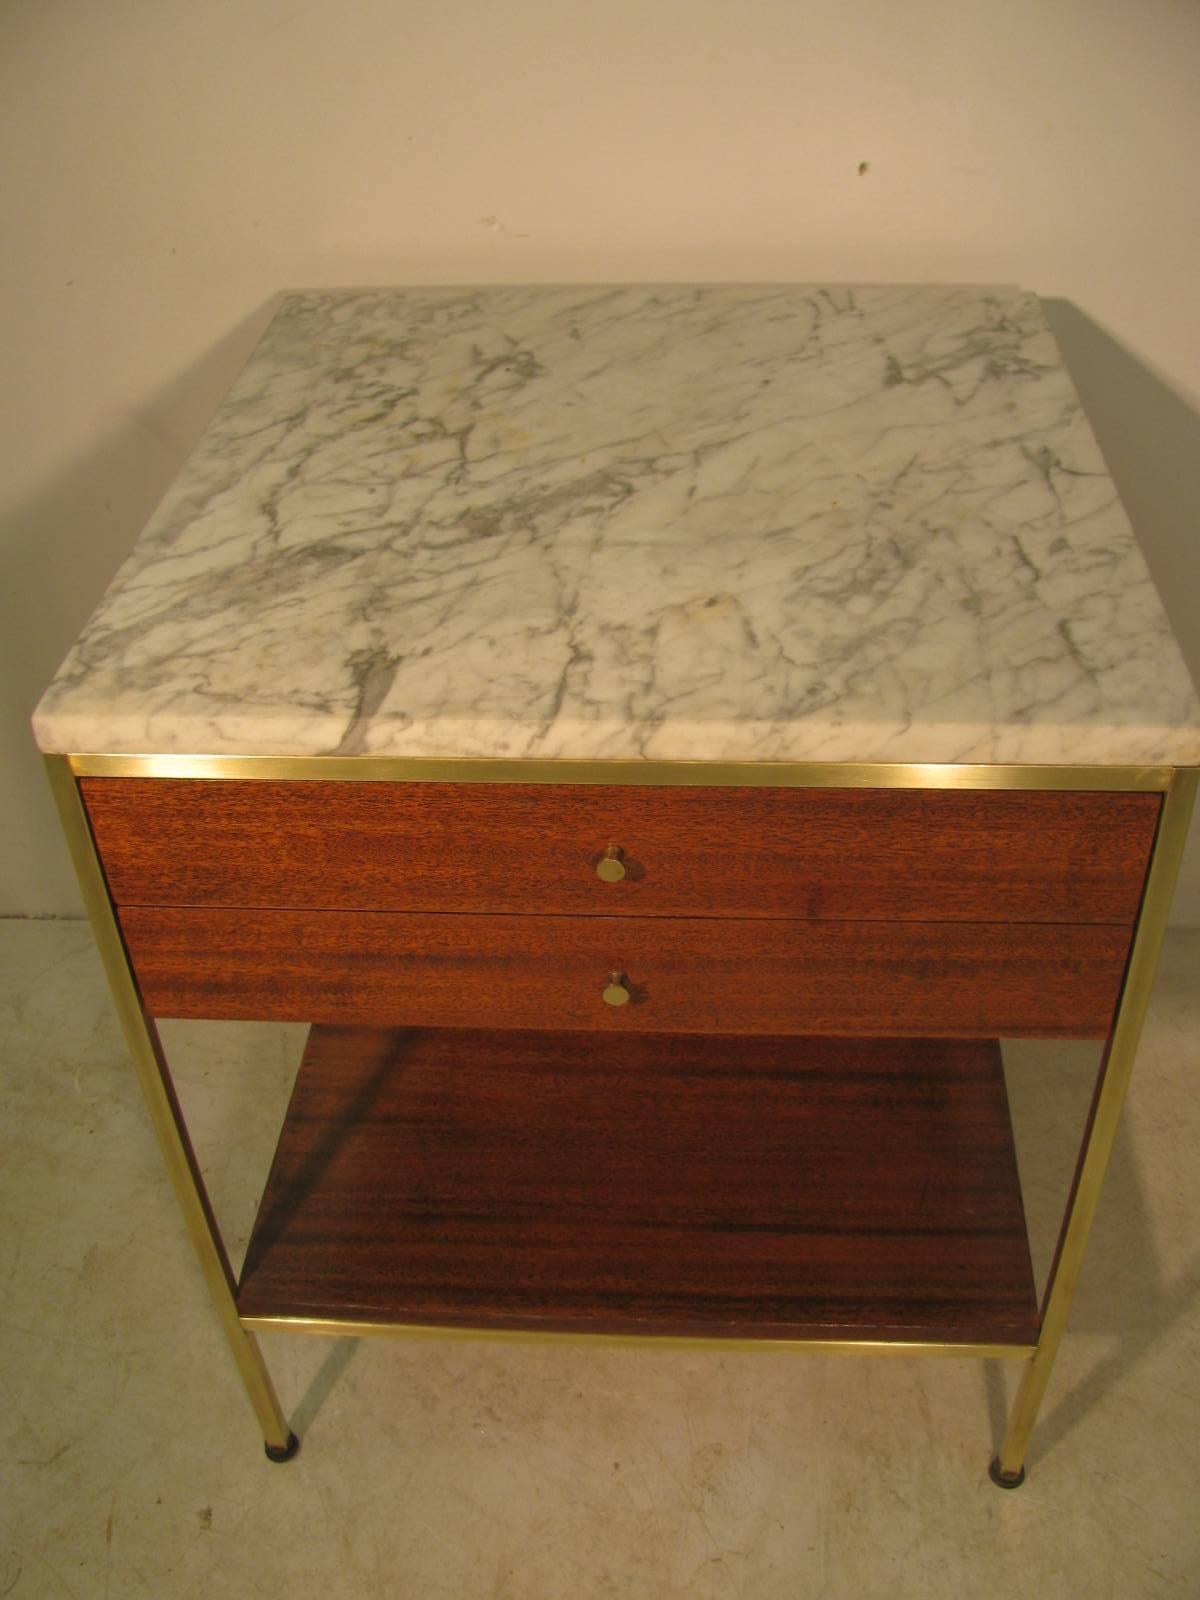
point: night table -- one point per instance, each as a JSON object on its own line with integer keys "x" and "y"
{"x": 661, "y": 739}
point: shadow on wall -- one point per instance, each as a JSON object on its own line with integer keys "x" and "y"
{"x": 61, "y": 548}
{"x": 1150, "y": 437}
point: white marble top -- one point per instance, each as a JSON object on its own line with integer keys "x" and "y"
{"x": 762, "y": 523}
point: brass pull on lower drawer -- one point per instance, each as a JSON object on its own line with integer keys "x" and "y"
{"x": 616, "y": 990}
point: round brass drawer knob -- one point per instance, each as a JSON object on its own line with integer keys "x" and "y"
{"x": 616, "y": 991}
{"x": 611, "y": 866}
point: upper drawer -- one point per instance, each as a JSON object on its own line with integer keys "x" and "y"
{"x": 877, "y": 854}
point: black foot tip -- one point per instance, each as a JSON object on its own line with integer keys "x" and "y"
{"x": 282, "y": 1452}
{"x": 1005, "y": 1480}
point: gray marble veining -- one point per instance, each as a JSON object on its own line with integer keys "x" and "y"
{"x": 718, "y": 522}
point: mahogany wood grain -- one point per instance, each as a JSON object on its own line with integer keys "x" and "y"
{"x": 752, "y": 1187}
{"x": 695, "y": 975}
{"x": 888, "y": 854}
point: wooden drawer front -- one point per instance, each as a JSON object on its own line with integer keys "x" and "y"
{"x": 891, "y": 854}
{"x": 692, "y": 975}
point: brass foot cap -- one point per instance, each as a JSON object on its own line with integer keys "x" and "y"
{"x": 1005, "y": 1480}
{"x": 282, "y": 1452}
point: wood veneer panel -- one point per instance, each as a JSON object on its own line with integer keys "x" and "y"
{"x": 916, "y": 855}
{"x": 770, "y": 1187}
{"x": 695, "y": 975}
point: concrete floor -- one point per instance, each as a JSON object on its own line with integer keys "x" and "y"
{"x": 130, "y": 1465}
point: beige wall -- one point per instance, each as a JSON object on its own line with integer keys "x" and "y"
{"x": 165, "y": 167}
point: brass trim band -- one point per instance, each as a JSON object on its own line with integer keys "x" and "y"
{"x": 665, "y": 774}
{"x": 365, "y": 1328}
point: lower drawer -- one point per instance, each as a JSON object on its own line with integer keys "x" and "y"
{"x": 689, "y": 975}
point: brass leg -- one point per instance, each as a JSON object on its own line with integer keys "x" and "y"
{"x": 1112, "y": 1081}
{"x": 155, "y": 1078}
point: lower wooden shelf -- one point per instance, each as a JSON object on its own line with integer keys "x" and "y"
{"x": 824, "y": 1189}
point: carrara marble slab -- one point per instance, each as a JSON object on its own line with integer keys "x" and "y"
{"x": 710, "y": 522}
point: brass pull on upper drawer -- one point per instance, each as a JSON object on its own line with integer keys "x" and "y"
{"x": 611, "y": 865}
{"x": 616, "y": 990}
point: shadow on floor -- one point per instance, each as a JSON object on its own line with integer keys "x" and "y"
{"x": 324, "y": 1381}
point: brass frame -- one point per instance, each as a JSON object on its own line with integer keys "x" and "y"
{"x": 1100, "y": 1134}
{"x": 1177, "y": 785}
{"x": 154, "y": 1076}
